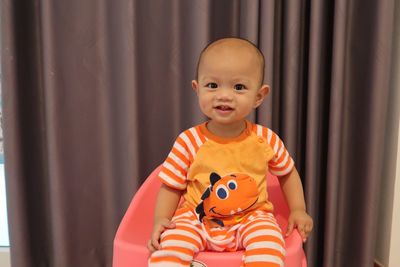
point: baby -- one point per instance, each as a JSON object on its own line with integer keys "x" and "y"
{"x": 220, "y": 166}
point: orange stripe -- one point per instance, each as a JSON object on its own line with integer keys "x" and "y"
{"x": 200, "y": 134}
{"x": 178, "y": 237}
{"x": 265, "y": 251}
{"x": 173, "y": 176}
{"x": 181, "y": 156}
{"x": 176, "y": 166}
{"x": 254, "y": 128}
{"x": 186, "y": 251}
{"x": 273, "y": 140}
{"x": 192, "y": 140}
{"x": 169, "y": 259}
{"x": 261, "y": 219}
{"x": 264, "y": 238}
{"x": 186, "y": 228}
{"x": 183, "y": 144}
{"x": 280, "y": 159}
{"x": 260, "y": 227}
{"x": 288, "y": 163}
{"x": 265, "y": 132}
{"x": 182, "y": 211}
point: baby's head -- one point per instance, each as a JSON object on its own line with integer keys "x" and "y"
{"x": 229, "y": 80}
{"x": 236, "y": 48}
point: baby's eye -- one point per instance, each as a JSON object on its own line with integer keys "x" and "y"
{"x": 239, "y": 87}
{"x": 212, "y": 85}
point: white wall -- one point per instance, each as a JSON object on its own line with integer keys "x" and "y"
{"x": 4, "y": 257}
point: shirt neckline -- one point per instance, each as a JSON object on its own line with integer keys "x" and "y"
{"x": 219, "y": 139}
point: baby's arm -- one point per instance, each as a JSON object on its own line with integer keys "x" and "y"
{"x": 293, "y": 191}
{"x": 167, "y": 202}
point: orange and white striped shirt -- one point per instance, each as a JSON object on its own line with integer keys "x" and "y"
{"x": 197, "y": 152}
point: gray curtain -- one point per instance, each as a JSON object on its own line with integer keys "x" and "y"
{"x": 96, "y": 91}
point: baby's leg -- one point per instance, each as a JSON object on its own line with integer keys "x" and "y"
{"x": 263, "y": 242}
{"x": 178, "y": 245}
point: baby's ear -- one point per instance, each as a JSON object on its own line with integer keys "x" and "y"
{"x": 261, "y": 94}
{"x": 195, "y": 85}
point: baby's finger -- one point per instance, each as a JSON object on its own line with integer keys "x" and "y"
{"x": 150, "y": 247}
{"x": 169, "y": 225}
{"x": 308, "y": 228}
{"x": 155, "y": 243}
{"x": 155, "y": 239}
{"x": 289, "y": 228}
{"x": 302, "y": 232}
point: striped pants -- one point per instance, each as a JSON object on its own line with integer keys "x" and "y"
{"x": 258, "y": 234}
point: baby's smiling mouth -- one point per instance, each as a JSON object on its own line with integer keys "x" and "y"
{"x": 223, "y": 107}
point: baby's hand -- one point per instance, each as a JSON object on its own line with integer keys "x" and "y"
{"x": 158, "y": 228}
{"x": 302, "y": 221}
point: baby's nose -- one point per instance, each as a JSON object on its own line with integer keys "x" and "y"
{"x": 224, "y": 94}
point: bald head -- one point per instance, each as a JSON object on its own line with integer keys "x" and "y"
{"x": 233, "y": 45}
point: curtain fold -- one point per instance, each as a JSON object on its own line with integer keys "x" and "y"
{"x": 95, "y": 93}
{"x": 358, "y": 107}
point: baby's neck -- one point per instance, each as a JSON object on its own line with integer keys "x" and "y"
{"x": 226, "y": 130}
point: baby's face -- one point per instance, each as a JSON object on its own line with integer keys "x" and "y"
{"x": 229, "y": 84}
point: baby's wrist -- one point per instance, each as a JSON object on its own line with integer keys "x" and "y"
{"x": 161, "y": 219}
{"x": 299, "y": 209}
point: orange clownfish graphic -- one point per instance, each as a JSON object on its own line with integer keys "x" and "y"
{"x": 227, "y": 196}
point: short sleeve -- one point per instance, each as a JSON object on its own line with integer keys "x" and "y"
{"x": 174, "y": 169}
{"x": 281, "y": 163}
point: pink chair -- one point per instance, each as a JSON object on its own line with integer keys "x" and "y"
{"x": 134, "y": 231}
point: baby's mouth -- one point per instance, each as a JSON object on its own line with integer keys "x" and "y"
{"x": 223, "y": 108}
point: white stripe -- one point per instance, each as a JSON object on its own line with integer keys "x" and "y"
{"x": 189, "y": 225}
{"x": 186, "y": 139}
{"x": 181, "y": 149}
{"x": 196, "y": 136}
{"x": 259, "y": 130}
{"x": 219, "y": 237}
{"x": 193, "y": 227}
{"x": 171, "y": 253}
{"x": 283, "y": 163}
{"x": 215, "y": 247}
{"x": 261, "y": 223}
{"x": 266, "y": 244}
{"x": 264, "y": 258}
{"x": 189, "y": 221}
{"x": 279, "y": 153}
{"x": 170, "y": 181}
{"x": 168, "y": 166}
{"x": 269, "y": 135}
{"x": 283, "y": 172}
{"x": 276, "y": 143}
{"x": 179, "y": 243}
{"x": 178, "y": 161}
{"x": 262, "y": 233}
{"x": 182, "y": 233}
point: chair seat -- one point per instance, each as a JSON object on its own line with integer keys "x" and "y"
{"x": 130, "y": 243}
